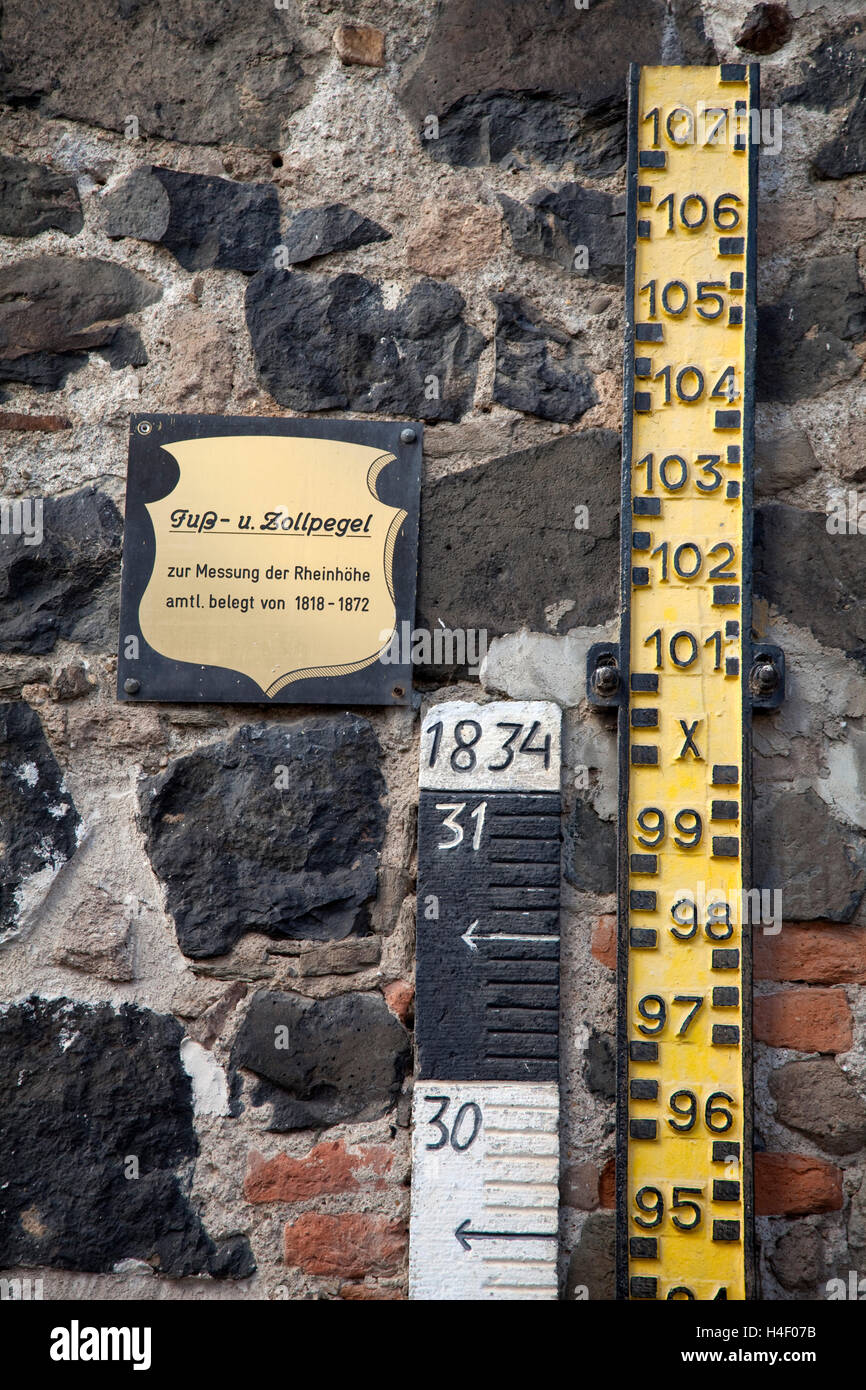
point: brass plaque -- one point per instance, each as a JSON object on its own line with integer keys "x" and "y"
{"x": 268, "y": 560}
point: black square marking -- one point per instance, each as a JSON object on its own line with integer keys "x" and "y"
{"x": 726, "y": 1230}
{"x": 642, "y": 1129}
{"x": 726, "y": 958}
{"x": 652, "y": 159}
{"x": 724, "y": 1190}
{"x": 735, "y": 315}
{"x": 643, "y": 938}
{"x": 726, "y": 1035}
{"x": 728, "y": 420}
{"x": 732, "y": 72}
{"x": 725, "y": 810}
{"x": 640, "y": 577}
{"x": 640, "y": 1286}
{"x": 733, "y": 453}
{"x": 732, "y": 665}
{"x": 641, "y": 540}
{"x": 644, "y": 755}
{"x": 725, "y": 594}
{"x": 644, "y": 230}
{"x": 644, "y": 863}
{"x": 726, "y": 997}
{"x": 644, "y": 193}
{"x": 643, "y": 402}
{"x": 726, "y": 846}
{"x": 642, "y": 900}
{"x": 643, "y": 1051}
{"x": 726, "y": 775}
{"x": 643, "y": 366}
{"x": 648, "y": 333}
{"x": 732, "y": 628}
{"x": 643, "y": 1247}
{"x": 645, "y": 718}
{"x": 732, "y": 245}
{"x": 644, "y": 683}
{"x": 736, "y": 280}
{"x": 647, "y": 506}
{"x": 732, "y": 490}
{"x": 643, "y": 1090}
{"x": 723, "y": 1149}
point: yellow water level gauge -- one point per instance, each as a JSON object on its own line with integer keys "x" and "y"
{"x": 683, "y": 677}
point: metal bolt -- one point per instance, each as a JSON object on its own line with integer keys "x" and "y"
{"x": 144, "y": 427}
{"x": 605, "y": 679}
{"x": 408, "y": 436}
{"x": 765, "y": 677}
{"x": 398, "y": 692}
{"x": 131, "y": 686}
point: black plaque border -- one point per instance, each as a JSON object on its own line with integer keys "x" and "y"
{"x": 151, "y": 474}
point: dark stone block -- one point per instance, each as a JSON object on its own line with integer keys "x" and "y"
{"x": 593, "y": 1261}
{"x": 833, "y": 75}
{"x": 34, "y": 197}
{"x": 818, "y": 864}
{"x": 38, "y": 816}
{"x": 138, "y": 207}
{"x": 803, "y": 341}
{"x": 200, "y": 74}
{"x": 555, "y": 222}
{"x": 84, "y": 1090}
{"x": 814, "y": 578}
{"x": 798, "y": 1259}
{"x": 216, "y": 222}
{"x": 54, "y": 307}
{"x": 590, "y": 858}
{"x": 538, "y": 367}
{"x": 323, "y": 1061}
{"x": 599, "y": 1066}
{"x": 766, "y": 29}
{"x": 546, "y": 81}
{"x": 125, "y": 349}
{"x": 243, "y": 846}
{"x": 66, "y": 586}
{"x": 476, "y": 567}
{"x": 817, "y": 1099}
{"x": 318, "y": 231}
{"x": 330, "y": 344}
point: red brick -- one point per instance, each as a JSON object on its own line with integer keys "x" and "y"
{"x": 793, "y": 1185}
{"x": 367, "y": 1293}
{"x": 812, "y": 1020}
{"x": 604, "y": 940}
{"x": 814, "y": 952}
{"x": 14, "y": 420}
{"x": 400, "y": 998}
{"x": 329, "y": 1167}
{"x": 350, "y": 1246}
{"x": 607, "y": 1185}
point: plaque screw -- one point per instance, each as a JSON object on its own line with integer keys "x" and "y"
{"x": 605, "y": 678}
{"x": 144, "y": 427}
{"x": 764, "y": 678}
{"x": 131, "y": 686}
{"x": 408, "y": 436}
{"x": 398, "y": 692}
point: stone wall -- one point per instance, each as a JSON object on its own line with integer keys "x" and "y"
{"x": 280, "y": 209}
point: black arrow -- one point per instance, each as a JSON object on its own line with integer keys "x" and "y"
{"x": 464, "y": 1235}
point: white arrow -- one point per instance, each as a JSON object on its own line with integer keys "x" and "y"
{"x": 469, "y": 936}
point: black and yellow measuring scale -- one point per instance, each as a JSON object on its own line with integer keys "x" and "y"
{"x": 686, "y": 676}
